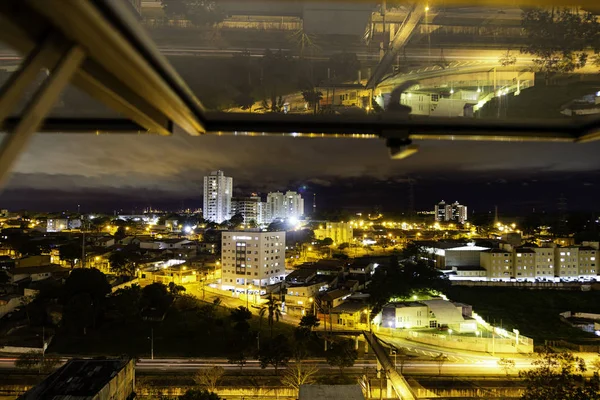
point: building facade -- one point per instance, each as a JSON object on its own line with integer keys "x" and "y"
{"x": 252, "y": 260}
{"x": 339, "y": 232}
{"x": 218, "y": 189}
{"x": 248, "y": 207}
{"x": 450, "y": 212}
{"x": 284, "y": 206}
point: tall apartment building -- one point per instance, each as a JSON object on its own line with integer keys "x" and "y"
{"x": 217, "y": 197}
{"x": 293, "y": 203}
{"x": 250, "y": 258}
{"x": 283, "y": 206}
{"x": 274, "y": 206}
{"x": 248, "y": 207}
{"x": 450, "y": 212}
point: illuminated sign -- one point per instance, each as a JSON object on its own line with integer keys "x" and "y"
{"x": 242, "y": 238}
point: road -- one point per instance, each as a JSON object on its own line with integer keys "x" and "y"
{"x": 410, "y": 53}
{"x": 193, "y": 364}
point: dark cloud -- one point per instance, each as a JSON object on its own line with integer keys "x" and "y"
{"x": 174, "y": 166}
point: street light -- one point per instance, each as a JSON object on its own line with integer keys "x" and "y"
{"x": 248, "y": 288}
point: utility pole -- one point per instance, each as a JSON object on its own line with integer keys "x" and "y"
{"x": 82, "y": 243}
{"x": 152, "y": 343}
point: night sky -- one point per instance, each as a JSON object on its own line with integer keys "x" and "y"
{"x": 103, "y": 173}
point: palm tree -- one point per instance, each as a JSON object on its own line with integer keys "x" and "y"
{"x": 273, "y": 310}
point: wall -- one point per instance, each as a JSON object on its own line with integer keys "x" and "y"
{"x": 127, "y": 284}
{"x": 481, "y": 344}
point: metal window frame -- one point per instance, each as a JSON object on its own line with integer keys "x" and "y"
{"x": 125, "y": 70}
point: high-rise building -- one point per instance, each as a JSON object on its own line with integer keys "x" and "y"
{"x": 283, "y": 206}
{"x": 450, "y": 212}
{"x": 248, "y": 207}
{"x": 252, "y": 260}
{"x": 442, "y": 211}
{"x": 217, "y": 197}
{"x": 275, "y": 209}
{"x": 293, "y": 204}
{"x": 459, "y": 213}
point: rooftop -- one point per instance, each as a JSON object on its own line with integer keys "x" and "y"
{"x": 330, "y": 392}
{"x": 77, "y": 379}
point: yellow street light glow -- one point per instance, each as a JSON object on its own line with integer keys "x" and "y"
{"x": 426, "y": 8}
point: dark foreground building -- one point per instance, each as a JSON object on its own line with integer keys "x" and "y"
{"x": 88, "y": 380}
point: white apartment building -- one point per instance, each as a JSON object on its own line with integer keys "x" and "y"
{"x": 283, "y": 206}
{"x": 217, "y": 197}
{"x": 61, "y": 224}
{"x": 274, "y": 206}
{"x": 248, "y": 207}
{"x": 252, "y": 260}
{"x": 450, "y": 212}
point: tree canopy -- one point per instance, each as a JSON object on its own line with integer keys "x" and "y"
{"x": 559, "y": 376}
{"x": 341, "y": 354}
{"x": 558, "y": 38}
{"x": 199, "y": 12}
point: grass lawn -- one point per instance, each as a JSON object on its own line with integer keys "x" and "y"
{"x": 181, "y": 334}
{"x": 533, "y": 312}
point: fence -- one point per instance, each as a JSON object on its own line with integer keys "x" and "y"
{"x": 492, "y": 344}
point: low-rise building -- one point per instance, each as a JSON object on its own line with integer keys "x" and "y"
{"x": 498, "y": 263}
{"x": 339, "y": 232}
{"x": 87, "y": 380}
{"x": 428, "y": 314}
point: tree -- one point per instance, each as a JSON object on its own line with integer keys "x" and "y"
{"x": 507, "y": 59}
{"x": 237, "y": 357}
{"x": 313, "y": 97}
{"x": 273, "y": 311}
{"x": 327, "y": 241}
{"x": 199, "y": 12}
{"x": 127, "y": 302}
{"x": 276, "y": 352}
{"x": 175, "y": 290}
{"x": 344, "y": 66}
{"x": 123, "y": 262}
{"x": 558, "y": 38}
{"x": 195, "y": 394}
{"x": 84, "y": 296}
{"x": 240, "y": 317}
{"x": 244, "y": 100}
{"x": 275, "y": 105}
{"x": 440, "y": 360}
{"x": 309, "y": 321}
{"x": 506, "y": 364}
{"x": 559, "y": 376}
{"x": 299, "y": 374}
{"x": 36, "y": 360}
{"x": 236, "y": 220}
{"x": 596, "y": 364}
{"x": 4, "y": 278}
{"x": 209, "y": 377}
{"x": 341, "y": 354}
{"x": 70, "y": 252}
{"x": 156, "y": 296}
{"x": 120, "y": 233}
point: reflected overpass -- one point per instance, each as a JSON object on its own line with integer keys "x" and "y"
{"x": 400, "y": 40}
